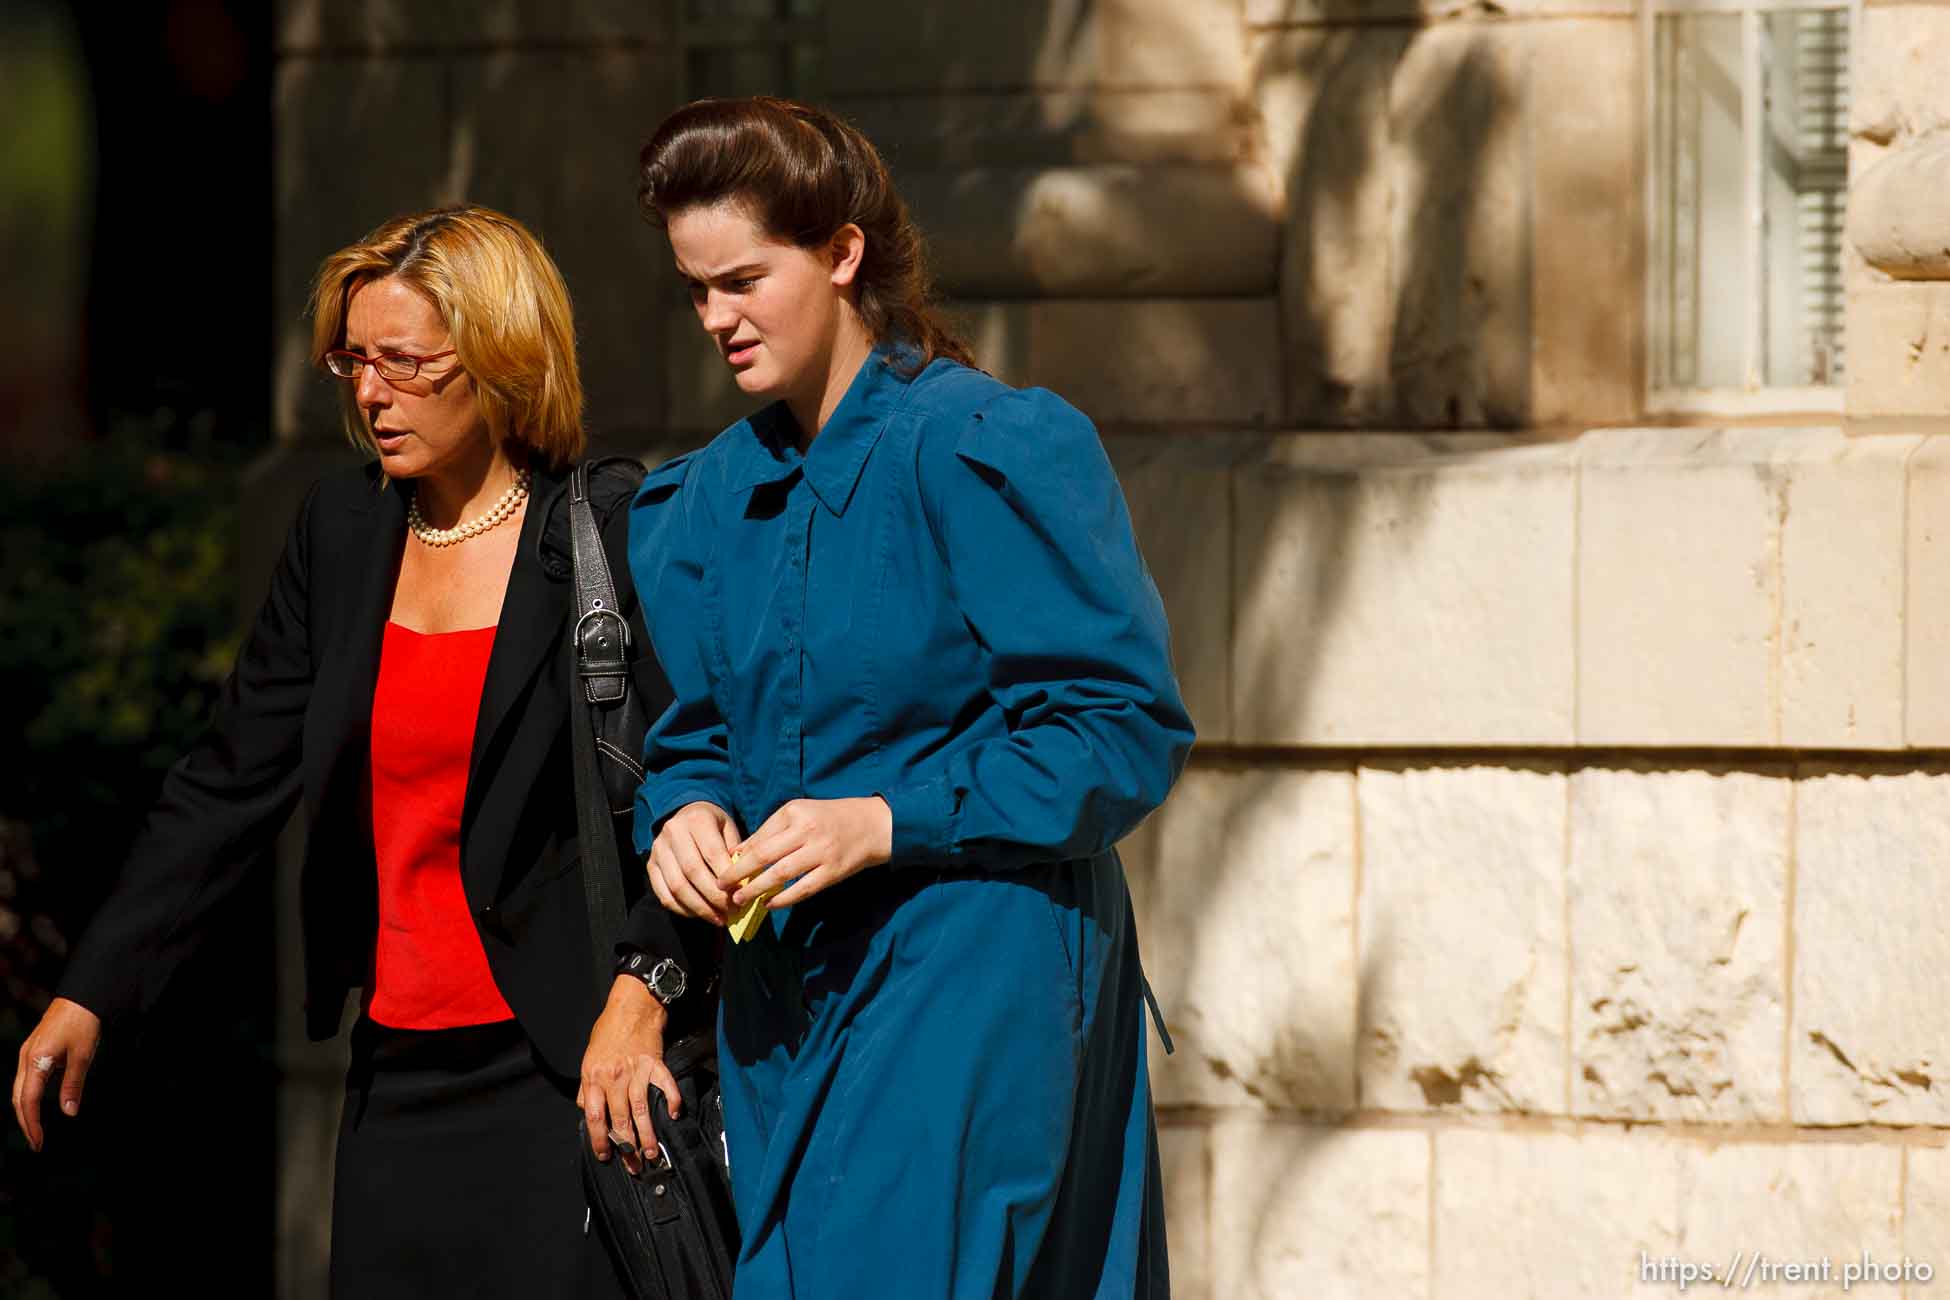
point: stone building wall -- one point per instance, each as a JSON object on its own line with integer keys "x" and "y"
{"x": 1560, "y": 882}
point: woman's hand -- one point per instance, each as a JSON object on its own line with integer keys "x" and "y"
{"x": 624, "y": 1057}
{"x": 691, "y": 855}
{"x": 809, "y": 845}
{"x": 64, "y": 1043}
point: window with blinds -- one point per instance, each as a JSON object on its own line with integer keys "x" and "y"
{"x": 1749, "y": 180}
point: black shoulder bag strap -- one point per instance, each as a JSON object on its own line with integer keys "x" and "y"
{"x": 600, "y": 664}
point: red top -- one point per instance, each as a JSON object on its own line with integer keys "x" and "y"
{"x": 429, "y": 970}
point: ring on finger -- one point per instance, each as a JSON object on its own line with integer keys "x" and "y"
{"x": 44, "y": 1064}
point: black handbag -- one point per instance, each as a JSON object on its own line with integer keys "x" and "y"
{"x": 670, "y": 1231}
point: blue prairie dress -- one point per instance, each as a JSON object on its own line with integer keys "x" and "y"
{"x": 934, "y": 1073}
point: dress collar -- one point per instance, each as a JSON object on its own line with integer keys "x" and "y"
{"x": 766, "y": 450}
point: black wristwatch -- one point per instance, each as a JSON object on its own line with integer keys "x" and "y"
{"x": 663, "y": 977}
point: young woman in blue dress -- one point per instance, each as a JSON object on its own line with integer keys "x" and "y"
{"x": 923, "y": 686}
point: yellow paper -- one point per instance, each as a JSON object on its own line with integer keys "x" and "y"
{"x": 745, "y": 924}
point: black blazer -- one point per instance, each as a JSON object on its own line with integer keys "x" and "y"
{"x": 295, "y": 718}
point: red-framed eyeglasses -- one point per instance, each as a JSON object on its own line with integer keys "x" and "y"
{"x": 391, "y": 365}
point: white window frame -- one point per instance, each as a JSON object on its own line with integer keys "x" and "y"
{"x": 1754, "y": 397}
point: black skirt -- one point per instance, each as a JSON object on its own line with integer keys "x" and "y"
{"x": 458, "y": 1172}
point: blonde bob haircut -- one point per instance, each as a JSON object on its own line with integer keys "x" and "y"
{"x": 505, "y": 305}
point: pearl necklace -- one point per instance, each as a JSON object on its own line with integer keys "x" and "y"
{"x": 502, "y": 510}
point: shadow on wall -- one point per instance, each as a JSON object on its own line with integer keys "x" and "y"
{"x": 1404, "y": 285}
{"x": 1402, "y": 270}
{"x": 1405, "y": 278}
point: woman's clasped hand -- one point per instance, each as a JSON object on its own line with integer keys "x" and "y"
{"x": 699, "y": 866}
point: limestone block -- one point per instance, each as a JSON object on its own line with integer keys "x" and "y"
{"x": 1678, "y": 890}
{"x": 1842, "y": 591}
{"x": 1927, "y": 620}
{"x": 1201, "y": 363}
{"x": 944, "y": 46}
{"x": 1053, "y": 127}
{"x": 1244, "y": 889}
{"x": 325, "y": 107}
{"x": 1179, "y": 492}
{"x": 1462, "y": 944}
{"x": 1587, "y": 196}
{"x": 1926, "y": 1212}
{"x": 1898, "y": 346}
{"x": 1896, "y": 82}
{"x": 703, "y": 396}
{"x": 1899, "y": 212}
{"x": 604, "y": 21}
{"x": 1771, "y": 1205}
{"x": 1147, "y": 43}
{"x": 1106, "y": 231}
{"x": 552, "y": 139}
{"x": 941, "y": 46}
{"x": 1550, "y": 1216}
{"x": 1278, "y": 13}
{"x": 1679, "y": 587}
{"x": 310, "y": 26}
{"x": 1460, "y": 238}
{"x": 1401, "y": 590}
{"x": 1871, "y": 1030}
{"x": 1323, "y": 99}
{"x": 1184, "y": 1151}
{"x": 1306, "y": 1210}
{"x": 1405, "y": 268}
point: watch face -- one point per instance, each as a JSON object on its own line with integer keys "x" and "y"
{"x": 667, "y": 980}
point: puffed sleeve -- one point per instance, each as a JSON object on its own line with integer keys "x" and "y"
{"x": 686, "y": 754}
{"x": 1042, "y": 562}
{"x": 219, "y": 811}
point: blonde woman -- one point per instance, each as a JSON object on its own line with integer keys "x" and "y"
{"x": 407, "y": 677}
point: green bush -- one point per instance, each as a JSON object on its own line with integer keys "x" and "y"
{"x": 117, "y": 624}
{"x": 118, "y": 595}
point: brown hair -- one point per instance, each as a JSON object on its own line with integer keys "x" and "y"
{"x": 504, "y": 302}
{"x": 802, "y": 173}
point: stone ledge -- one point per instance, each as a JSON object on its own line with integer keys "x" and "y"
{"x": 1628, "y": 589}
